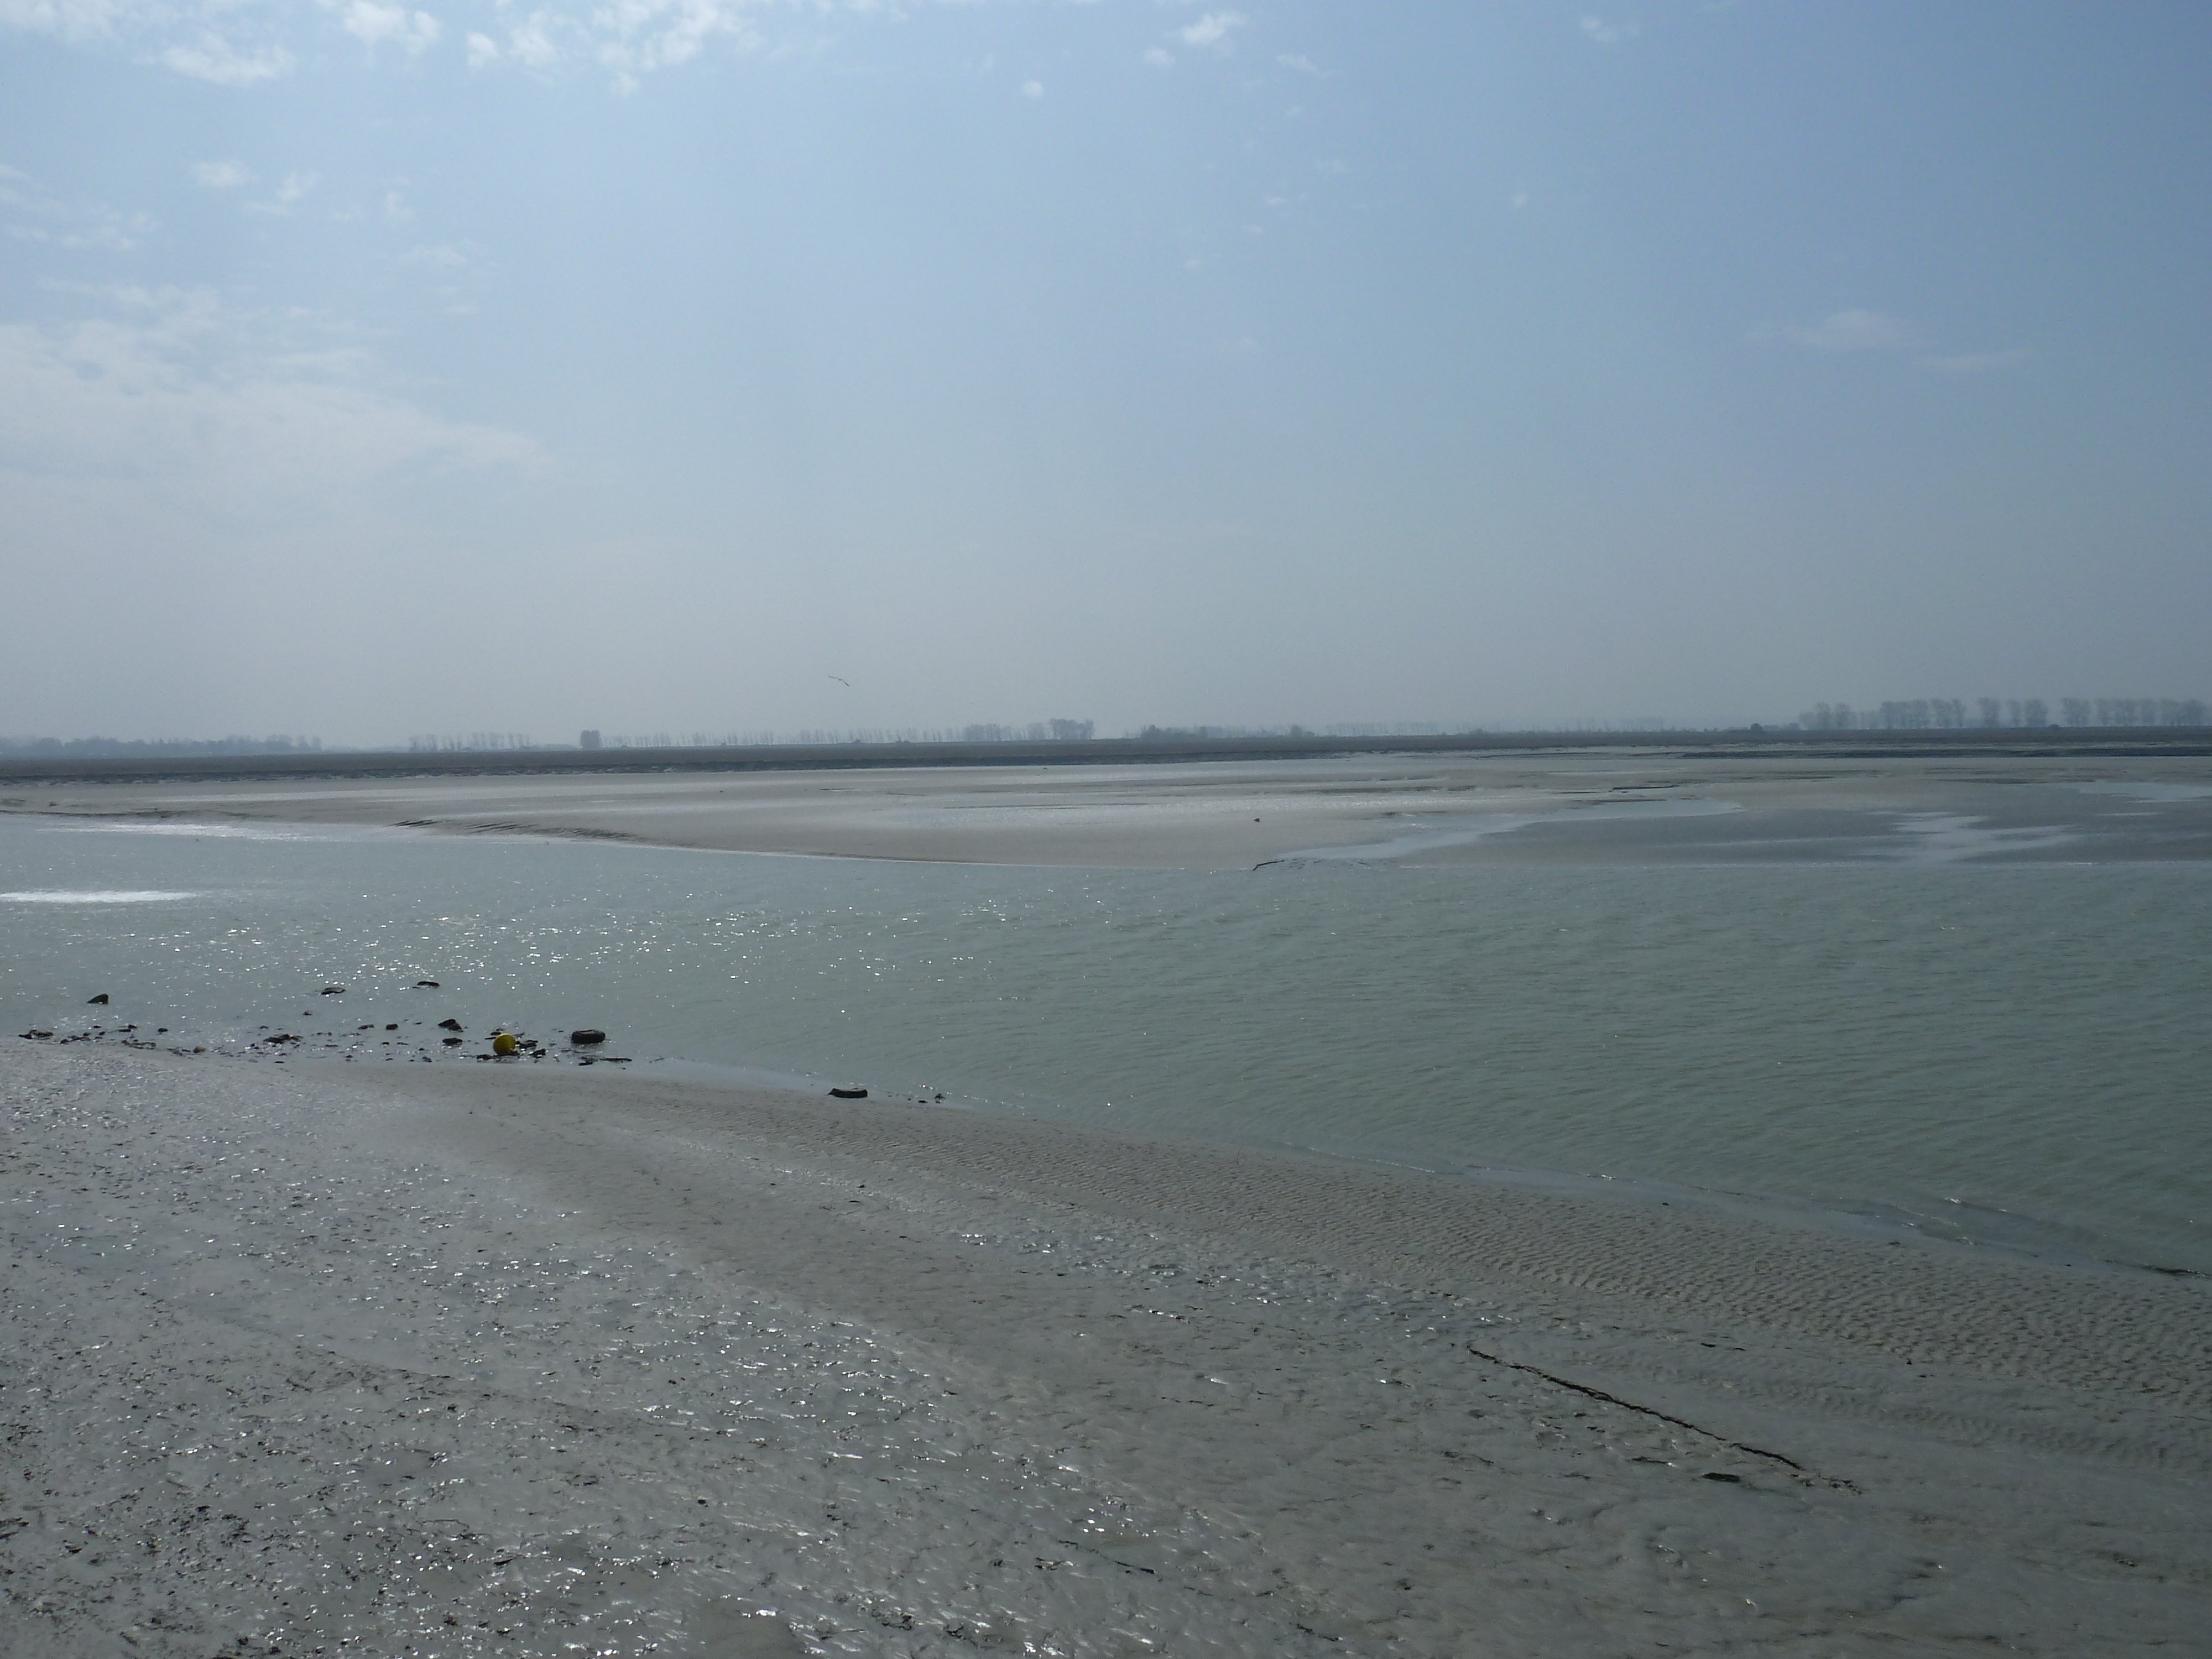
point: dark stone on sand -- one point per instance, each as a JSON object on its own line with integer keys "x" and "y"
{"x": 450, "y": 1042}
{"x": 91, "y": 1002}
{"x": 449, "y": 1025}
{"x": 426, "y": 984}
{"x": 849, "y": 1094}
{"x": 1732, "y": 1480}
{"x": 586, "y": 1035}
{"x": 334, "y": 990}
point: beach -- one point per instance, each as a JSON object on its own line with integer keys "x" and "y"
{"x": 484, "y": 1359}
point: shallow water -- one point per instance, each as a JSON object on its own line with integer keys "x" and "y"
{"x": 2013, "y": 1053}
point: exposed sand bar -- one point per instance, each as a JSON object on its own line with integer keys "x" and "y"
{"x": 1585, "y": 806}
{"x": 450, "y": 1360}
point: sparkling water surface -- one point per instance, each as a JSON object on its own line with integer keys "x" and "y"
{"x": 2012, "y": 1054}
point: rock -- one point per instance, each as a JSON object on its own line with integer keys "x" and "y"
{"x": 94, "y": 1002}
{"x": 449, "y": 1025}
{"x": 587, "y": 1036}
{"x": 450, "y": 1042}
{"x": 334, "y": 990}
{"x": 849, "y": 1094}
{"x": 426, "y": 984}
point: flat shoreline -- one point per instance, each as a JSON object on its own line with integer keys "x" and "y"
{"x": 1584, "y": 806}
{"x": 460, "y": 1351}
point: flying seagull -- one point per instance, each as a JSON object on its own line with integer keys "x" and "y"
{"x": 843, "y": 680}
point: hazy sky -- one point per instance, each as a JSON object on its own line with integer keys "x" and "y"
{"x": 366, "y": 370}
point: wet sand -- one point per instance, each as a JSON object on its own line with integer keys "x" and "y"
{"x": 460, "y": 1360}
{"x": 1592, "y": 806}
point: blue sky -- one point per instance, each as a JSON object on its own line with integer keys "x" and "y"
{"x": 366, "y": 370}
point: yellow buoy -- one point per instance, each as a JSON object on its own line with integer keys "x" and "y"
{"x": 502, "y": 1042}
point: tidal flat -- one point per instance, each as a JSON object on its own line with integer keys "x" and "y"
{"x": 1458, "y": 1205}
{"x": 1587, "y": 806}
{"x": 457, "y": 1361}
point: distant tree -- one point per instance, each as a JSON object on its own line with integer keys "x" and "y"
{"x": 2076, "y": 711}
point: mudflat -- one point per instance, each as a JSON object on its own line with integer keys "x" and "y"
{"x": 459, "y": 1360}
{"x": 1589, "y": 805}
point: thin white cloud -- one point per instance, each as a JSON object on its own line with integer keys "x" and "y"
{"x": 295, "y": 187}
{"x": 1977, "y": 362}
{"x": 373, "y": 24}
{"x": 1212, "y": 29}
{"x": 638, "y": 36}
{"x": 32, "y": 215}
{"x": 1852, "y": 329}
{"x": 218, "y": 40}
{"x": 1032, "y": 88}
{"x": 220, "y": 175}
{"x": 241, "y": 43}
{"x": 179, "y": 400}
{"x": 1600, "y": 32}
{"x": 1304, "y": 65}
{"x": 1160, "y": 57}
{"x": 65, "y": 19}
{"x": 211, "y": 58}
{"x": 530, "y": 44}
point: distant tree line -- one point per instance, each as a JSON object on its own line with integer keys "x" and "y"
{"x": 430, "y": 742}
{"x": 129, "y": 748}
{"x": 1942, "y": 714}
{"x": 1342, "y": 729}
{"x": 1052, "y": 730}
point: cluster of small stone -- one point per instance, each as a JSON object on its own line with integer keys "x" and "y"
{"x": 503, "y": 1044}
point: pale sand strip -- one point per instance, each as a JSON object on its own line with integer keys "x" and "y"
{"x": 1594, "y": 807}
{"x": 416, "y": 1358}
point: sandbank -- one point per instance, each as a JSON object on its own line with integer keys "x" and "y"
{"x": 1591, "y": 805}
{"x": 460, "y": 1360}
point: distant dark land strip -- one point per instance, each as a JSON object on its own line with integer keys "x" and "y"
{"x": 2110, "y": 742}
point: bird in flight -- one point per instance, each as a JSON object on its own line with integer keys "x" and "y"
{"x": 843, "y": 680}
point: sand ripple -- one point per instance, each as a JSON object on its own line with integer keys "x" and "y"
{"x": 455, "y": 1362}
